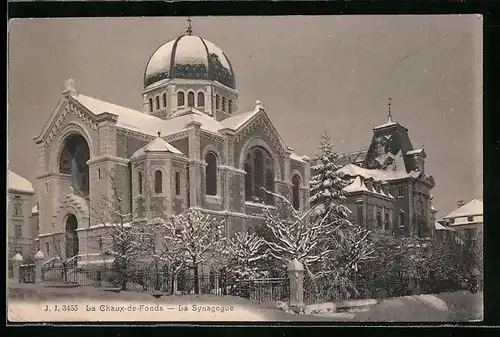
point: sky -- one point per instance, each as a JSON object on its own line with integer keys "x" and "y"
{"x": 313, "y": 74}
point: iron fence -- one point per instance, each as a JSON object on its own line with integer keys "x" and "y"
{"x": 27, "y": 273}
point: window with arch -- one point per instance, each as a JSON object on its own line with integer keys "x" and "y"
{"x": 73, "y": 162}
{"x": 150, "y": 105}
{"x": 201, "y": 99}
{"x": 164, "y": 100}
{"x": 139, "y": 181}
{"x": 190, "y": 98}
{"x": 401, "y": 219}
{"x": 157, "y": 102}
{"x": 224, "y": 104}
{"x": 180, "y": 99}
{"x": 211, "y": 174}
{"x": 296, "y": 191}
{"x": 259, "y": 176}
{"x": 217, "y": 101}
{"x": 230, "y": 106}
{"x": 177, "y": 183}
{"x": 158, "y": 182}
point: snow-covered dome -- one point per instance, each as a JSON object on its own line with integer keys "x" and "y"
{"x": 189, "y": 57}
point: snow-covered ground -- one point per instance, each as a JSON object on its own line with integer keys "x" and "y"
{"x": 445, "y": 307}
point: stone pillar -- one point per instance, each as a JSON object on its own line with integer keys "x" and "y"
{"x": 296, "y": 275}
{"x": 39, "y": 259}
{"x": 16, "y": 265}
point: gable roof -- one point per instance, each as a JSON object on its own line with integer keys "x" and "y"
{"x": 157, "y": 145}
{"x": 376, "y": 174}
{"x": 472, "y": 208}
{"x": 18, "y": 183}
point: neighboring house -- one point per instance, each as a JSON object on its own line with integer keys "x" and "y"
{"x": 20, "y": 231}
{"x": 466, "y": 221}
{"x": 389, "y": 188}
{"x": 189, "y": 147}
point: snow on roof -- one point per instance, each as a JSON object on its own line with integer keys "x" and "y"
{"x": 34, "y": 210}
{"x": 236, "y": 121}
{"x": 379, "y": 175}
{"x": 415, "y": 151}
{"x": 389, "y": 123}
{"x": 293, "y": 156}
{"x": 440, "y": 227}
{"x": 18, "y": 183}
{"x": 138, "y": 121}
{"x": 473, "y": 207}
{"x": 157, "y": 145}
{"x": 356, "y": 186}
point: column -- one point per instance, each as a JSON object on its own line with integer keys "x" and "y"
{"x": 296, "y": 275}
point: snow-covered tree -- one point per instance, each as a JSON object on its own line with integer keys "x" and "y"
{"x": 192, "y": 239}
{"x": 128, "y": 244}
{"x": 296, "y": 234}
{"x": 242, "y": 254}
{"x": 327, "y": 185}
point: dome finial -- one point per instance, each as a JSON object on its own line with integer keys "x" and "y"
{"x": 390, "y": 114}
{"x": 189, "y": 29}
{"x": 159, "y": 134}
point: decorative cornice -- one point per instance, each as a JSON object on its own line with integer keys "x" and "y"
{"x": 118, "y": 160}
{"x": 138, "y": 135}
{"x": 231, "y": 169}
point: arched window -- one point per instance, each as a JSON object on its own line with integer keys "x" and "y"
{"x": 223, "y": 103}
{"x": 201, "y": 99}
{"x": 73, "y": 162}
{"x": 139, "y": 181}
{"x": 401, "y": 219}
{"x": 259, "y": 177}
{"x": 211, "y": 174}
{"x": 164, "y": 100}
{"x": 150, "y": 105}
{"x": 180, "y": 98}
{"x": 230, "y": 107}
{"x": 248, "y": 182}
{"x": 158, "y": 182}
{"x": 217, "y": 101}
{"x": 190, "y": 98}
{"x": 296, "y": 192}
{"x": 157, "y": 102}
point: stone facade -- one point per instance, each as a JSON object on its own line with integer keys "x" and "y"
{"x": 157, "y": 162}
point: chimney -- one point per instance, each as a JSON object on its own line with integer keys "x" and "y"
{"x": 460, "y": 203}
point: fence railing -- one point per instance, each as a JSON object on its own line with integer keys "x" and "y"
{"x": 27, "y": 273}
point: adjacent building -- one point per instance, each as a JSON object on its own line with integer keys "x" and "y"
{"x": 466, "y": 221}
{"x": 21, "y": 233}
{"x": 389, "y": 187}
{"x": 191, "y": 146}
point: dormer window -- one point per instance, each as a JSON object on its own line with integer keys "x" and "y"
{"x": 190, "y": 98}
{"x": 230, "y": 107}
{"x": 157, "y": 102}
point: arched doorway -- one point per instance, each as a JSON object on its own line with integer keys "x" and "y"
{"x": 73, "y": 161}
{"x": 71, "y": 236}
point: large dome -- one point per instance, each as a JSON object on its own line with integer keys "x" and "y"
{"x": 189, "y": 57}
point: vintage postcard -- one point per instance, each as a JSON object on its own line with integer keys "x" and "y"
{"x": 252, "y": 169}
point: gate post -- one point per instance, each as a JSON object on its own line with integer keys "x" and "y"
{"x": 39, "y": 257}
{"x": 296, "y": 275}
{"x": 16, "y": 267}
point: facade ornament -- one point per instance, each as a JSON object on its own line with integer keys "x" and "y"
{"x": 390, "y": 113}
{"x": 258, "y": 105}
{"x": 69, "y": 87}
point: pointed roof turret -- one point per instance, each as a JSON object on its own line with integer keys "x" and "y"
{"x": 158, "y": 145}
